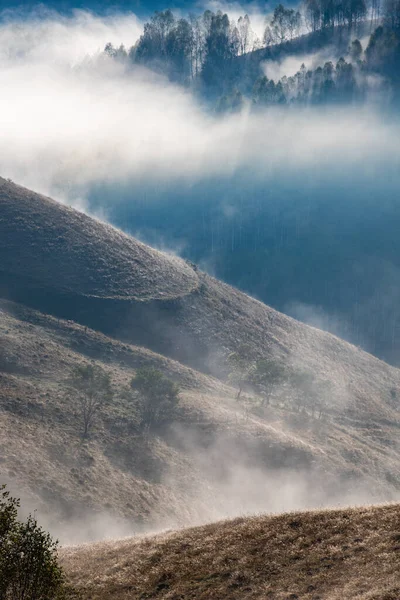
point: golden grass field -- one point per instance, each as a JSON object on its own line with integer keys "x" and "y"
{"x": 324, "y": 555}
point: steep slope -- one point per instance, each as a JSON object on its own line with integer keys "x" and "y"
{"x": 117, "y": 471}
{"x": 217, "y": 456}
{"x": 97, "y": 260}
{"x": 331, "y": 555}
{"x": 169, "y": 307}
{"x": 138, "y": 481}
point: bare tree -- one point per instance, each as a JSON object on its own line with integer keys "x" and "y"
{"x": 246, "y": 34}
{"x": 279, "y": 23}
{"x": 198, "y": 43}
{"x": 293, "y": 22}
{"x": 242, "y": 366}
{"x": 268, "y": 37}
{"x": 92, "y": 384}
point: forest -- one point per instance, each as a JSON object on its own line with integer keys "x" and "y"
{"x": 221, "y": 58}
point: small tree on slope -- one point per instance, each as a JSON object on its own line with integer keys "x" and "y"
{"x": 242, "y": 368}
{"x": 93, "y": 387}
{"x": 158, "y": 394}
{"x": 268, "y": 374}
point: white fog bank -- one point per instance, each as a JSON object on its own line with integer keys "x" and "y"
{"x": 70, "y": 118}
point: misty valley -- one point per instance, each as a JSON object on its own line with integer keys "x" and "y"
{"x": 200, "y": 300}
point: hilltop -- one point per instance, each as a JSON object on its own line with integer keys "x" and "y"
{"x": 333, "y": 555}
{"x": 97, "y": 260}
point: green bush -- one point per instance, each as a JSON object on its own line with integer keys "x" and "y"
{"x": 158, "y": 394}
{"x": 29, "y": 568}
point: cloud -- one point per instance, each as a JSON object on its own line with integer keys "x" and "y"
{"x": 290, "y": 65}
{"x": 318, "y": 317}
{"x": 52, "y": 38}
{"x": 71, "y": 119}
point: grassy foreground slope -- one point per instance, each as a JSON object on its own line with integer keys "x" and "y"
{"x": 328, "y": 555}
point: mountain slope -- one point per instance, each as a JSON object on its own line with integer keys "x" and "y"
{"x": 131, "y": 480}
{"x": 97, "y": 260}
{"x": 189, "y": 471}
{"x": 116, "y": 471}
{"x": 216, "y": 456}
{"x": 331, "y": 555}
{"x": 69, "y": 275}
{"x": 97, "y": 276}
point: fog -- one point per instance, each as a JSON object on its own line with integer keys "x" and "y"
{"x": 221, "y": 482}
{"x": 50, "y": 38}
{"x": 70, "y": 119}
{"x": 257, "y": 13}
{"x": 290, "y": 65}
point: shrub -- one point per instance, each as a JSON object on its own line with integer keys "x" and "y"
{"x": 29, "y": 568}
{"x": 159, "y": 396}
{"x": 268, "y": 374}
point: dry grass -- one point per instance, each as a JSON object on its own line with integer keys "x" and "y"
{"x": 115, "y": 472}
{"x": 165, "y": 480}
{"x": 329, "y": 555}
{"x": 66, "y": 263}
{"x": 58, "y": 247}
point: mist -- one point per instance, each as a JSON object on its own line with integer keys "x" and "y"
{"x": 86, "y": 120}
{"x": 290, "y": 65}
{"x": 228, "y": 478}
{"x": 223, "y": 483}
{"x": 257, "y": 12}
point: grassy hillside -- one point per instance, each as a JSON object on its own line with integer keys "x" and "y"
{"x": 42, "y": 454}
{"x": 67, "y": 264}
{"x": 38, "y": 235}
{"x": 118, "y": 471}
{"x": 215, "y": 456}
{"x": 328, "y": 555}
